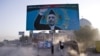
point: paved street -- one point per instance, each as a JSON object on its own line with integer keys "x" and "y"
{"x": 26, "y": 51}
{"x": 92, "y": 53}
{"x": 17, "y": 51}
{"x": 30, "y": 51}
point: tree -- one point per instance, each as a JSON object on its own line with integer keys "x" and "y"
{"x": 23, "y": 39}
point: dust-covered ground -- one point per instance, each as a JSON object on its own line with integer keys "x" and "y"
{"x": 33, "y": 51}
{"x": 17, "y": 51}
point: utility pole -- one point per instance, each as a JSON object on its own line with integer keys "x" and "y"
{"x": 52, "y": 45}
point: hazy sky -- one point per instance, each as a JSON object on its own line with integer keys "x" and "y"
{"x": 13, "y": 14}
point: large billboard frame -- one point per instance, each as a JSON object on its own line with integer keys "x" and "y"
{"x": 67, "y": 17}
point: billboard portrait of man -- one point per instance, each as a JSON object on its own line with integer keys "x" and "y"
{"x": 52, "y": 17}
{"x": 51, "y": 21}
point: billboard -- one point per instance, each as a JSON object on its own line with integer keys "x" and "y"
{"x": 21, "y": 33}
{"x": 53, "y": 17}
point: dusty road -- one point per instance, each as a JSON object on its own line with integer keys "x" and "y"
{"x": 30, "y": 51}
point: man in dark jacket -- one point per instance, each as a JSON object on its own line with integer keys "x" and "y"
{"x": 51, "y": 21}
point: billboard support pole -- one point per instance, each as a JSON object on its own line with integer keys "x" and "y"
{"x": 52, "y": 45}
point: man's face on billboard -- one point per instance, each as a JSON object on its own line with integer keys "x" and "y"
{"x": 51, "y": 19}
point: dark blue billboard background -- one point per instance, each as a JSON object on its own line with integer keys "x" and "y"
{"x": 67, "y": 16}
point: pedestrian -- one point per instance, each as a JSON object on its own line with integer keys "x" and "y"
{"x": 61, "y": 44}
{"x": 52, "y": 49}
